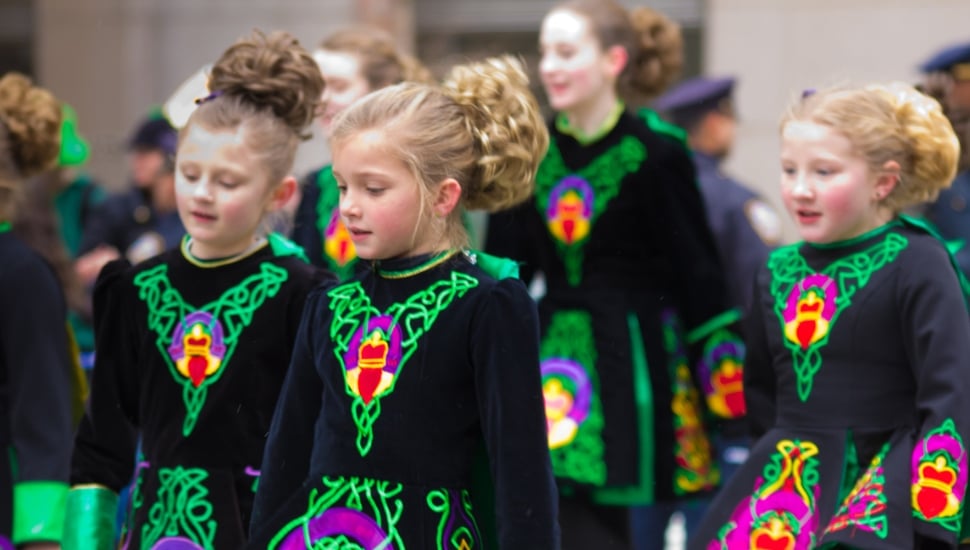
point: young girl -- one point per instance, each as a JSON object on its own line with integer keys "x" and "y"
{"x": 634, "y": 289}
{"x": 858, "y": 339}
{"x": 193, "y": 345}
{"x": 402, "y": 373}
{"x": 35, "y": 366}
{"x": 354, "y": 61}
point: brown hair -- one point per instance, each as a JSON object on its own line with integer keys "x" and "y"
{"x": 30, "y": 137}
{"x": 269, "y": 86}
{"x": 889, "y": 122}
{"x": 381, "y": 63}
{"x": 653, "y": 43}
{"x": 483, "y": 128}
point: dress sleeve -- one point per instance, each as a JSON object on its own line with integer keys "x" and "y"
{"x": 286, "y": 460}
{"x": 505, "y": 353}
{"x": 105, "y": 444}
{"x": 935, "y": 319}
{"x": 759, "y": 376}
{"x": 698, "y": 272}
{"x": 34, "y": 348}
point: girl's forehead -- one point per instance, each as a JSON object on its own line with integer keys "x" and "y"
{"x": 563, "y": 25}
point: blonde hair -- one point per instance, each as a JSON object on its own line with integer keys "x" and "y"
{"x": 30, "y": 136}
{"x": 890, "y": 122}
{"x": 653, "y": 43}
{"x": 381, "y": 63}
{"x": 270, "y": 87}
{"x": 482, "y": 128}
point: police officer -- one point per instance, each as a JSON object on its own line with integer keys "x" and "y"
{"x": 142, "y": 221}
{"x": 949, "y": 70}
{"x": 744, "y": 226}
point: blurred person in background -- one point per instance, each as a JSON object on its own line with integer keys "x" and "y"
{"x": 141, "y": 222}
{"x": 947, "y": 73}
{"x": 635, "y": 290}
{"x": 354, "y": 61}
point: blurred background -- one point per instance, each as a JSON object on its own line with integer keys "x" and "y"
{"x": 114, "y": 59}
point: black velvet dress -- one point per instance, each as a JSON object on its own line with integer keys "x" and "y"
{"x": 400, "y": 378}
{"x": 857, "y": 374}
{"x": 191, "y": 359}
{"x": 636, "y": 324}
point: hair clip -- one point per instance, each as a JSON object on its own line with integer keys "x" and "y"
{"x": 210, "y": 97}
{"x": 807, "y": 92}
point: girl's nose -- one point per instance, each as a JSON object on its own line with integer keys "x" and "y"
{"x": 203, "y": 190}
{"x": 801, "y": 188}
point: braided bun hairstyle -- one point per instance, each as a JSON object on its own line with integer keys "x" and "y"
{"x": 653, "y": 42}
{"x": 270, "y": 87}
{"x": 482, "y": 128}
{"x": 30, "y": 123}
{"x": 890, "y": 122}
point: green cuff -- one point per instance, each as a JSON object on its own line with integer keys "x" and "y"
{"x": 706, "y": 328}
{"x": 38, "y": 511}
{"x": 90, "y": 522}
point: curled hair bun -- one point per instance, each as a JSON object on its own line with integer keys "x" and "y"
{"x": 30, "y": 117}
{"x": 274, "y": 72}
{"x": 934, "y": 146}
{"x": 503, "y": 117}
{"x": 660, "y": 55}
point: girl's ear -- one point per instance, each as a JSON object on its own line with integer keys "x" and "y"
{"x": 447, "y": 197}
{"x": 280, "y": 196}
{"x": 887, "y": 179}
{"x": 616, "y": 60}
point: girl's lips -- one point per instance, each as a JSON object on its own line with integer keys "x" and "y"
{"x": 203, "y": 216}
{"x": 808, "y": 216}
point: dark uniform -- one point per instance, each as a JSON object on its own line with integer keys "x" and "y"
{"x": 745, "y": 227}
{"x": 950, "y": 213}
{"x": 128, "y": 221}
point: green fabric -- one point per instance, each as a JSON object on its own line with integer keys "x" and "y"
{"x": 4, "y": 227}
{"x": 38, "y": 511}
{"x": 952, "y": 247}
{"x": 284, "y": 247}
{"x": 72, "y": 204}
{"x": 500, "y": 268}
{"x": 661, "y": 126}
{"x": 711, "y": 325}
{"x": 74, "y": 149}
{"x": 90, "y": 519}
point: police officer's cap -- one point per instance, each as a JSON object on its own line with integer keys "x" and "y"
{"x": 953, "y": 59}
{"x": 155, "y": 133}
{"x": 691, "y": 99}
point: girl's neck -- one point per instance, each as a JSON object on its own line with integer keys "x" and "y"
{"x": 209, "y": 257}
{"x": 589, "y": 117}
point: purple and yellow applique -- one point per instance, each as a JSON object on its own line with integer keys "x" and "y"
{"x": 781, "y": 513}
{"x": 939, "y": 477}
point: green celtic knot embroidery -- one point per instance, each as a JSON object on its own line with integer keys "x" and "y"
{"x": 373, "y": 347}
{"x": 808, "y": 303}
{"x": 571, "y": 389}
{"x": 182, "y": 509}
{"x": 349, "y": 514}
{"x": 232, "y": 311}
{"x": 571, "y": 202}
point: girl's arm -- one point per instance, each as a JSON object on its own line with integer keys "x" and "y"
{"x": 105, "y": 444}
{"x": 505, "y": 351}
{"x": 34, "y": 351}
{"x": 936, "y": 327}
{"x": 759, "y": 375}
{"x": 286, "y": 460}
